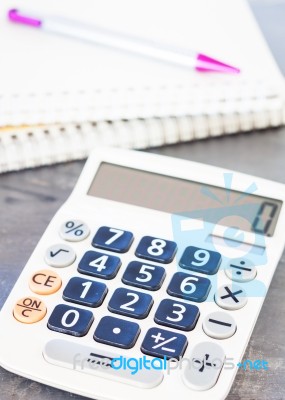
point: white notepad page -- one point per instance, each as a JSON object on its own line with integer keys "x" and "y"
{"x": 46, "y": 78}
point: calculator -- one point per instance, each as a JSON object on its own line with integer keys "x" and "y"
{"x": 147, "y": 282}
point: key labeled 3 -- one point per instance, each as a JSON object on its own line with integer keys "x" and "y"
{"x": 177, "y": 315}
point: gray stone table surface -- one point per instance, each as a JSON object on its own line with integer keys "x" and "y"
{"x": 29, "y": 199}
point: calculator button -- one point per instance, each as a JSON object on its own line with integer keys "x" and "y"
{"x": 219, "y": 325}
{"x": 60, "y": 255}
{"x": 189, "y": 287}
{"x": 207, "y": 360}
{"x": 161, "y": 343}
{"x": 177, "y": 315}
{"x": 70, "y": 320}
{"x": 156, "y": 249}
{"x": 144, "y": 276}
{"x": 85, "y": 292}
{"x": 29, "y": 310}
{"x": 231, "y": 297}
{"x": 130, "y": 303}
{"x": 113, "y": 239}
{"x": 97, "y": 362}
{"x": 100, "y": 265}
{"x": 45, "y": 282}
{"x": 74, "y": 230}
{"x": 200, "y": 260}
{"x": 241, "y": 270}
{"x": 117, "y": 332}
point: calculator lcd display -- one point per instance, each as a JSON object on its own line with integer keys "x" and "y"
{"x": 241, "y": 210}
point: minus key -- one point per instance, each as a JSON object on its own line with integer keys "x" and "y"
{"x": 219, "y": 325}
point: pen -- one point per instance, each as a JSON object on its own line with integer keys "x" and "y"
{"x": 143, "y": 47}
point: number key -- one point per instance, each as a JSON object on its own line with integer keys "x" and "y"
{"x": 100, "y": 265}
{"x": 177, "y": 315}
{"x": 113, "y": 239}
{"x": 144, "y": 275}
{"x": 130, "y": 303}
{"x": 200, "y": 260}
{"x": 70, "y": 320}
{"x": 85, "y": 292}
{"x": 156, "y": 249}
{"x": 190, "y": 287}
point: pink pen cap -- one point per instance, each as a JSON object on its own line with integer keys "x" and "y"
{"x": 14, "y": 16}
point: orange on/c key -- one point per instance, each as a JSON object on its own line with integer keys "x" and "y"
{"x": 29, "y": 310}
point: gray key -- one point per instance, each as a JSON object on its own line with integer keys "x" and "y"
{"x": 74, "y": 230}
{"x": 231, "y": 297}
{"x": 60, "y": 255}
{"x": 203, "y": 370}
{"x": 219, "y": 325}
{"x": 97, "y": 362}
{"x": 241, "y": 270}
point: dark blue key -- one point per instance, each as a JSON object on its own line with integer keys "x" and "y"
{"x": 190, "y": 287}
{"x": 156, "y": 249}
{"x": 201, "y": 260}
{"x": 161, "y": 343}
{"x": 85, "y": 292}
{"x": 144, "y": 275}
{"x": 131, "y": 303}
{"x": 113, "y": 239}
{"x": 177, "y": 315}
{"x": 70, "y": 320}
{"x": 117, "y": 332}
{"x": 100, "y": 265}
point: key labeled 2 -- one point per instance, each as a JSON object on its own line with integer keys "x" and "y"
{"x": 130, "y": 303}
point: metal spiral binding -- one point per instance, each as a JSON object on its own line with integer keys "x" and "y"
{"x": 170, "y": 115}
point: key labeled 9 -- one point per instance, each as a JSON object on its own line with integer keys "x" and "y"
{"x": 200, "y": 260}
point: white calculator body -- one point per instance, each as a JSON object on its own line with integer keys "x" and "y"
{"x": 147, "y": 282}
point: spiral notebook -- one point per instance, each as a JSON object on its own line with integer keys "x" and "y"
{"x": 59, "y": 97}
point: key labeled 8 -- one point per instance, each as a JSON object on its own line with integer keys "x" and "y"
{"x": 156, "y": 249}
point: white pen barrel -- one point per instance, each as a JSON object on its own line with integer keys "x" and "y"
{"x": 121, "y": 41}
